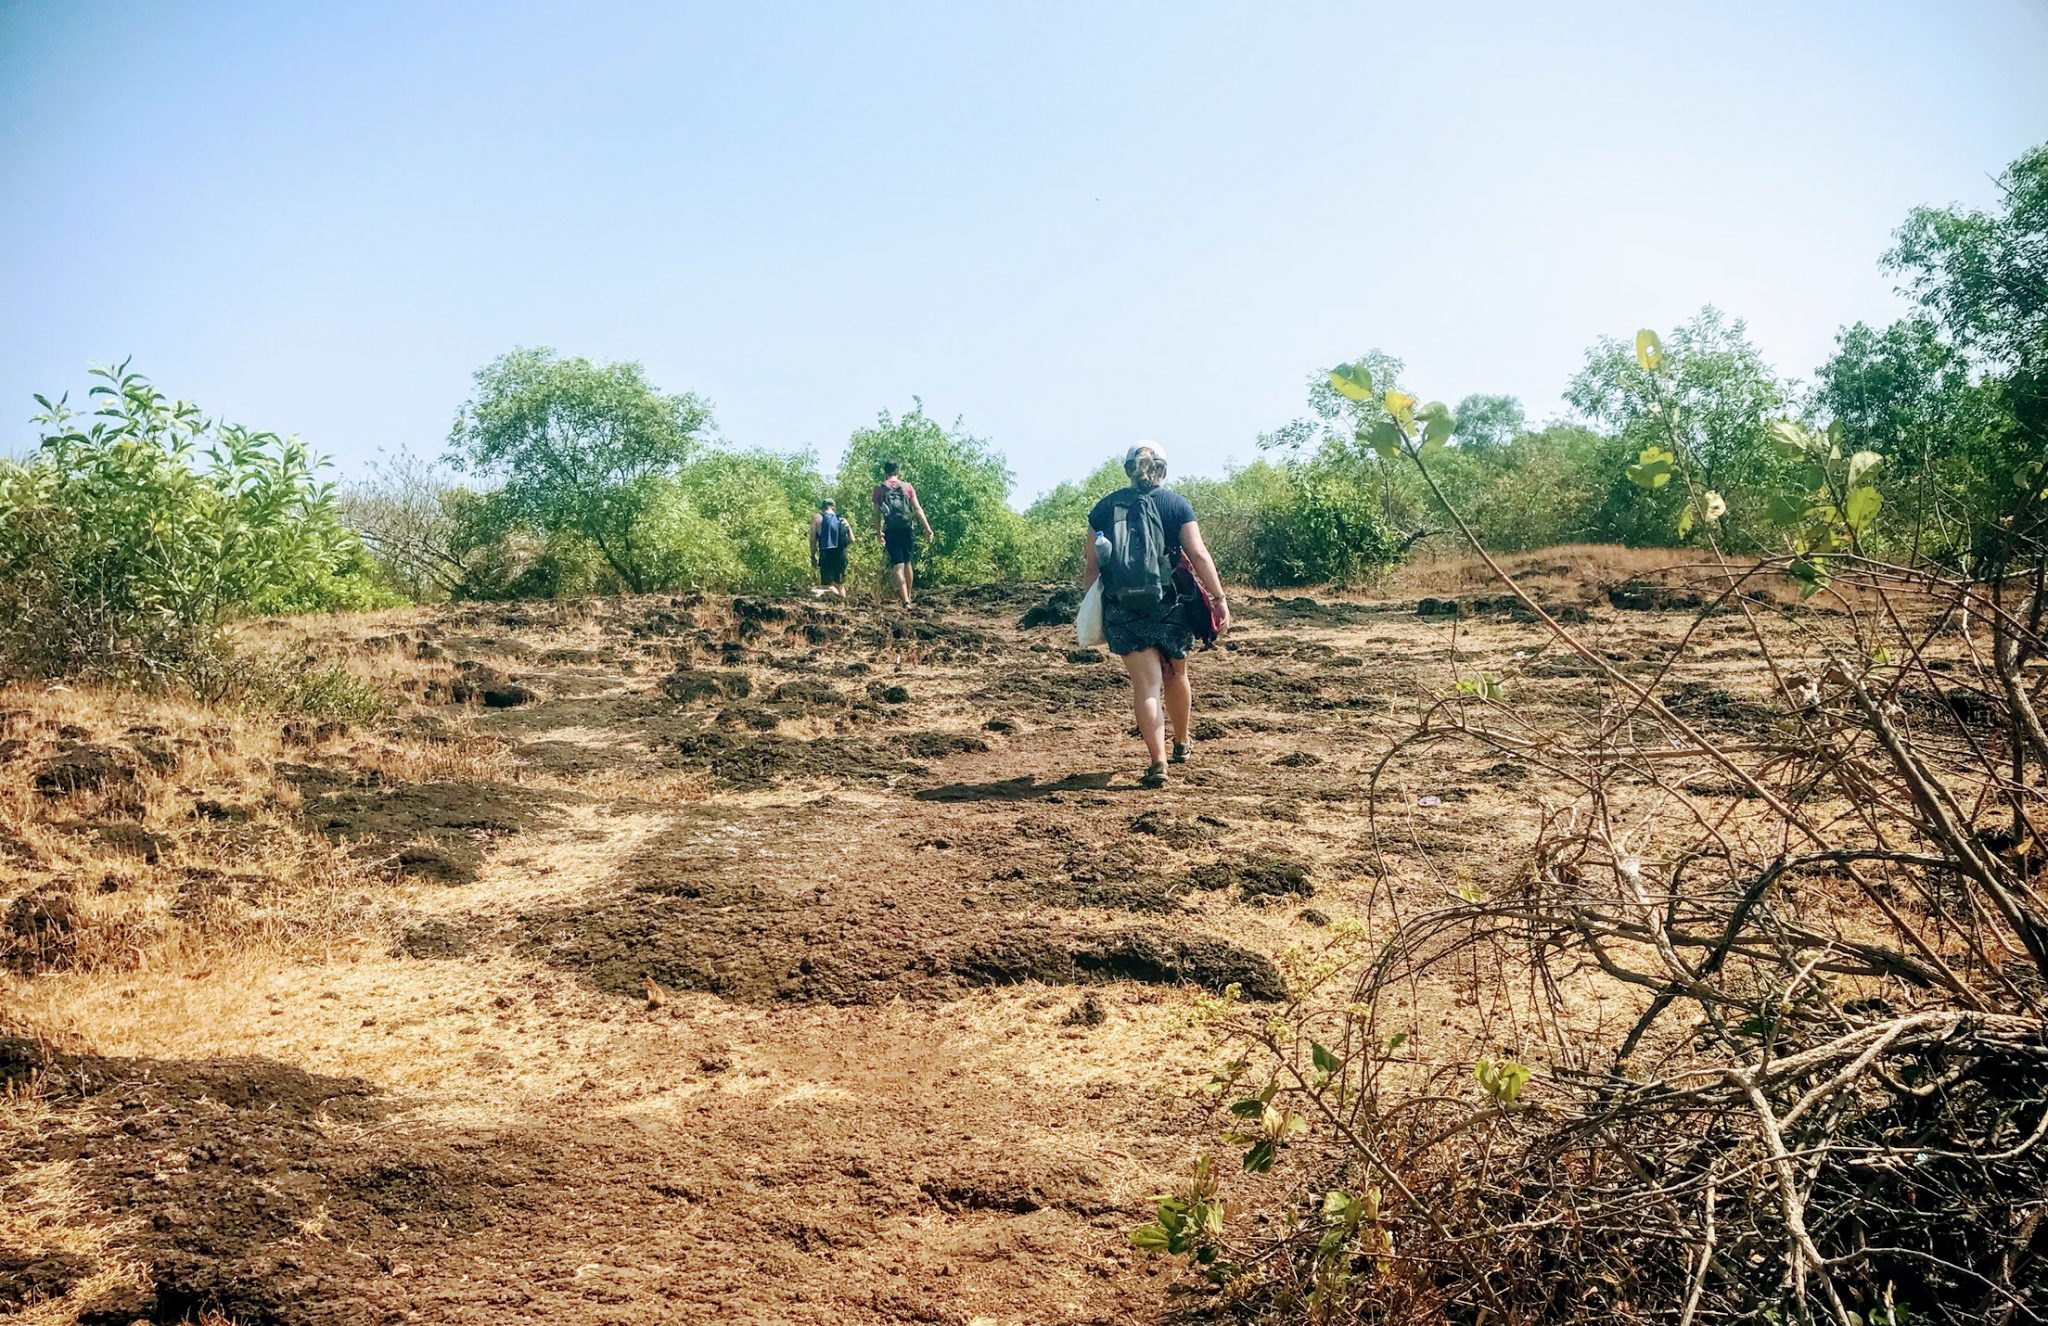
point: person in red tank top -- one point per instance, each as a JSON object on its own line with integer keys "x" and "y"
{"x": 896, "y": 507}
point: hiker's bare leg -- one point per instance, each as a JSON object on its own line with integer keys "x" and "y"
{"x": 1143, "y": 667}
{"x": 1179, "y": 700}
{"x": 903, "y": 582}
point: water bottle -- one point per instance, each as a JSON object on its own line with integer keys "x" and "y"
{"x": 1101, "y": 548}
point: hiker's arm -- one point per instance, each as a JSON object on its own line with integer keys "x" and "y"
{"x": 1205, "y": 571}
{"x": 816, "y": 523}
{"x": 1089, "y": 570}
{"x": 919, "y": 507}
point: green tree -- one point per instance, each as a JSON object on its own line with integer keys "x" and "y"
{"x": 578, "y": 448}
{"x": 1907, "y": 394}
{"x": 1725, "y": 398}
{"x": 1981, "y": 278}
{"x": 961, "y": 480}
{"x": 1983, "y": 275}
{"x": 1333, "y": 433}
{"x": 1342, "y": 418}
{"x": 1486, "y": 421}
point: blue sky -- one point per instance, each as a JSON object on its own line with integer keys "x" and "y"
{"x": 1072, "y": 224}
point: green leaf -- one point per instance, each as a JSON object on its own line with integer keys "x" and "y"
{"x": 1326, "y": 1062}
{"x": 1653, "y": 468}
{"x": 1384, "y": 439}
{"x": 1251, "y": 1107}
{"x": 1785, "y": 510}
{"x": 1860, "y": 464}
{"x": 1395, "y": 1041}
{"x": 1788, "y": 438}
{"x": 1402, "y": 407}
{"x": 1260, "y": 1158}
{"x": 1503, "y": 1079}
{"x": 1437, "y": 424}
{"x": 1811, "y": 477}
{"x": 1150, "y": 1238}
{"x": 1352, "y": 382}
{"x": 1811, "y": 576}
{"x": 1685, "y": 521}
{"x": 1861, "y": 508}
{"x": 1649, "y": 350}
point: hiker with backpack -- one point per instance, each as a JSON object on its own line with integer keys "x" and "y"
{"x": 829, "y": 536}
{"x": 895, "y": 503}
{"x": 1160, "y": 591}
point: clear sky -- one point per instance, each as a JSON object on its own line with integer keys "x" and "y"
{"x": 1071, "y": 224}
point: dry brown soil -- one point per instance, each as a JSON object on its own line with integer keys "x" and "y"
{"x": 696, "y": 959}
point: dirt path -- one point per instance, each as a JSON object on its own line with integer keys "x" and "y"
{"x": 923, "y": 961}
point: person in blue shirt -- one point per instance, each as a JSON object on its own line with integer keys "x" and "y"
{"x": 1153, "y": 642}
{"x": 830, "y": 533}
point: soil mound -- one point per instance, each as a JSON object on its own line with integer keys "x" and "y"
{"x": 1059, "y": 609}
{"x": 1263, "y": 876}
{"x": 28, "y": 1280}
{"x": 86, "y": 767}
{"x": 1150, "y": 954}
{"x": 437, "y": 831}
{"x": 1652, "y": 596}
{"x": 747, "y": 760}
{"x": 267, "y": 1153}
{"x": 709, "y": 909}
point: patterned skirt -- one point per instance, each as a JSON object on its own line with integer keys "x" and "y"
{"x": 1128, "y": 632}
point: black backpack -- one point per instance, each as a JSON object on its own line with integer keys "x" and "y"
{"x": 831, "y": 531}
{"x": 895, "y": 509}
{"x": 1136, "y": 572}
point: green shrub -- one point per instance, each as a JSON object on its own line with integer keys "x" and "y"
{"x": 963, "y": 484}
{"x": 759, "y": 505}
{"x": 1054, "y": 529}
{"x": 1328, "y": 529}
{"x": 1232, "y": 511}
{"x": 1533, "y": 491}
{"x": 126, "y": 546}
{"x": 1270, "y": 524}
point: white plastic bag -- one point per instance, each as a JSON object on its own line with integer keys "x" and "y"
{"x": 1088, "y": 621}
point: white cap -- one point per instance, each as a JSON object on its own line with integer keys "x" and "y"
{"x": 1144, "y": 444}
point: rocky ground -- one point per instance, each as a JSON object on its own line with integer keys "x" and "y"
{"x": 701, "y": 959}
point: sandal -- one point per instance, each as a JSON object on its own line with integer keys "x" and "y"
{"x": 1155, "y": 775}
{"x": 1180, "y": 752}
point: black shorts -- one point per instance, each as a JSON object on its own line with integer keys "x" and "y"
{"x": 1161, "y": 629}
{"x": 899, "y": 545}
{"x": 831, "y": 565}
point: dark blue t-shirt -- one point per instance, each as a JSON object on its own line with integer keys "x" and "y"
{"x": 1174, "y": 511}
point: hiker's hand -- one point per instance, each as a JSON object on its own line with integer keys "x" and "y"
{"x": 1222, "y": 620}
